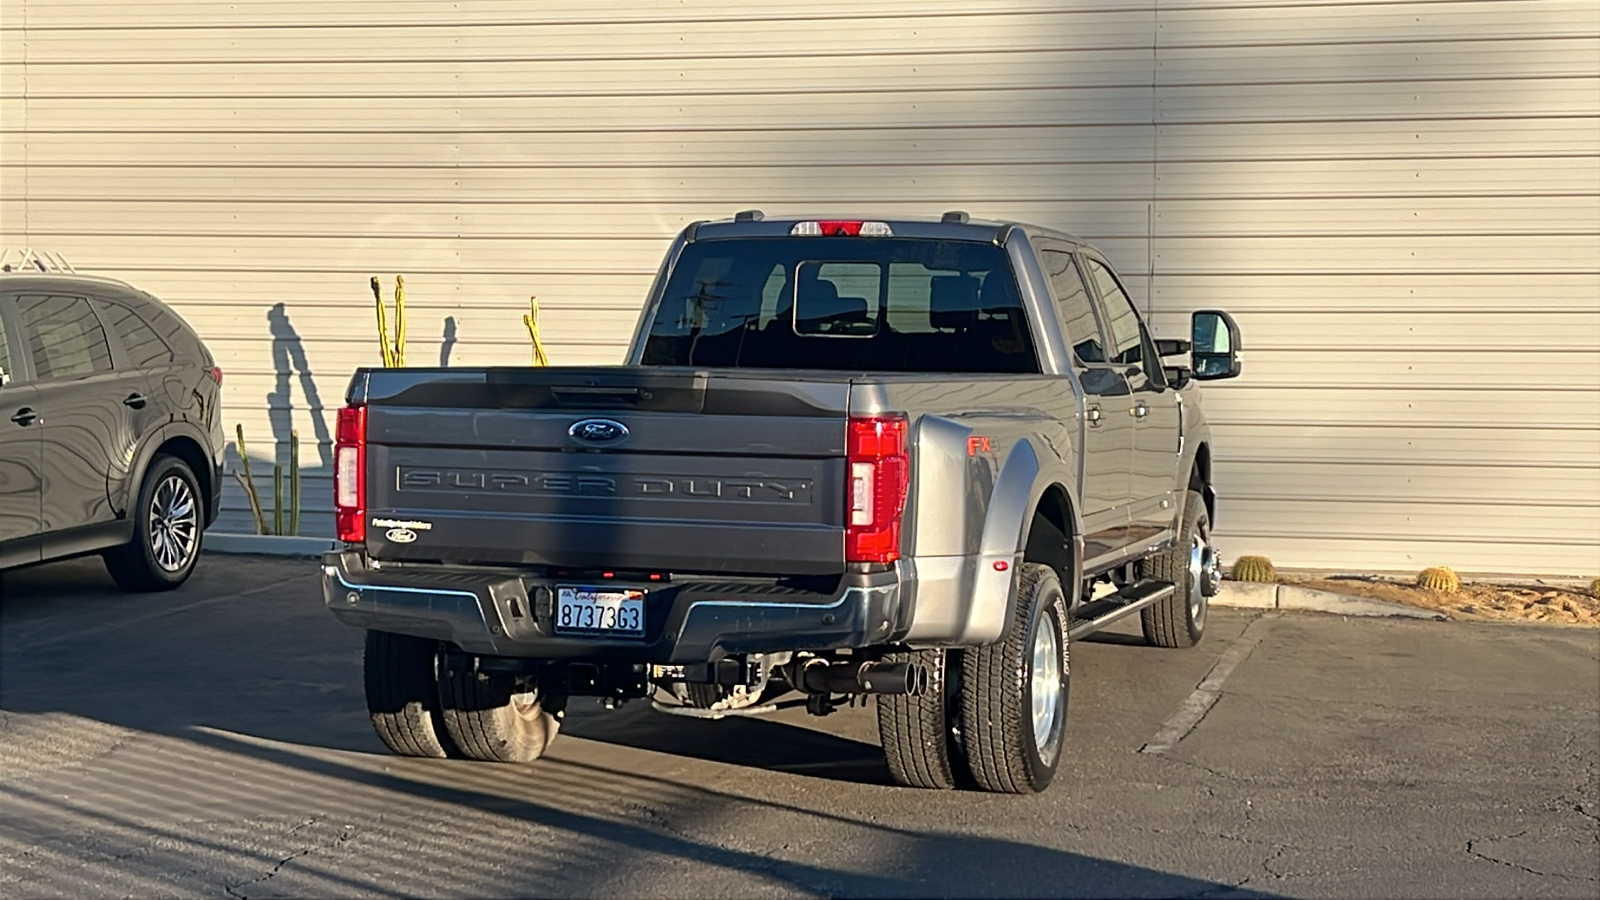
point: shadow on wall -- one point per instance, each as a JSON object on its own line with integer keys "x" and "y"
{"x": 288, "y": 365}
{"x": 448, "y": 345}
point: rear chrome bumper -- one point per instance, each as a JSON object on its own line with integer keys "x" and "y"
{"x": 502, "y": 612}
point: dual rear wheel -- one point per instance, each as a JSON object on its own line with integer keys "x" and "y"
{"x": 420, "y": 706}
{"x": 993, "y": 717}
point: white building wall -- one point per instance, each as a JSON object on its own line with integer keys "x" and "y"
{"x": 1400, "y": 202}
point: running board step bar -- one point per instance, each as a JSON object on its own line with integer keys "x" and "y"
{"x": 1091, "y": 617}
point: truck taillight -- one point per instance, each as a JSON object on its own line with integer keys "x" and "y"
{"x": 880, "y": 467}
{"x": 350, "y": 474}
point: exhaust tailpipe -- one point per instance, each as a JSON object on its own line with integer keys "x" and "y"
{"x": 866, "y": 678}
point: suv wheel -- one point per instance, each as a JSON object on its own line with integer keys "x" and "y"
{"x": 168, "y": 526}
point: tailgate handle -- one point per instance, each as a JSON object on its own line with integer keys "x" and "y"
{"x": 588, "y": 396}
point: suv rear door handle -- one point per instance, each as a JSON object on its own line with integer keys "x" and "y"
{"x": 26, "y": 416}
{"x": 134, "y": 401}
{"x": 1093, "y": 415}
{"x": 1140, "y": 410}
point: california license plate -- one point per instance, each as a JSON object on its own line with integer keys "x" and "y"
{"x": 599, "y": 611}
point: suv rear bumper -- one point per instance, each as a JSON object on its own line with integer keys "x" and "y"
{"x": 505, "y": 612}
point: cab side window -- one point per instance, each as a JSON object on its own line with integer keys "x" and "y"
{"x": 64, "y": 337}
{"x": 1121, "y": 320}
{"x": 6, "y": 371}
{"x": 1080, "y": 326}
{"x": 143, "y": 347}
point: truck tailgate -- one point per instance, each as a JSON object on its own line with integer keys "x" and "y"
{"x": 607, "y": 468}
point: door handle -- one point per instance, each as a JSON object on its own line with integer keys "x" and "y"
{"x": 26, "y": 416}
{"x": 1093, "y": 415}
{"x": 134, "y": 401}
{"x": 1139, "y": 411}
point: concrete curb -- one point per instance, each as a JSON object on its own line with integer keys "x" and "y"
{"x": 267, "y": 544}
{"x": 1253, "y": 595}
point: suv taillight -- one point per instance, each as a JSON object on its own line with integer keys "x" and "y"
{"x": 880, "y": 469}
{"x": 350, "y": 474}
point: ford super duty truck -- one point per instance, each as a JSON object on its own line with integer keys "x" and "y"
{"x": 909, "y": 459}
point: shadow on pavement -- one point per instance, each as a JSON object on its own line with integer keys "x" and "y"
{"x": 741, "y": 741}
{"x": 553, "y": 827}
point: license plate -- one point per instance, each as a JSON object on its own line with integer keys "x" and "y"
{"x": 599, "y": 611}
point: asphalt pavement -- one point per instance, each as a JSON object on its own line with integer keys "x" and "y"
{"x": 213, "y": 742}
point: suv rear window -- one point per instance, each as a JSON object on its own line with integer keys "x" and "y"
{"x": 855, "y": 304}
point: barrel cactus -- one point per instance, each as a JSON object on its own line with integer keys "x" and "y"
{"x": 1253, "y": 568}
{"x": 1439, "y": 578}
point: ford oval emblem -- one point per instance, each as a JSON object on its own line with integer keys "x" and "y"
{"x": 598, "y": 431}
{"x": 400, "y": 535}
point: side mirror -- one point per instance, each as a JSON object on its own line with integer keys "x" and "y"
{"x": 1215, "y": 345}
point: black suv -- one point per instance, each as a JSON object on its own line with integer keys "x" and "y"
{"x": 110, "y": 429}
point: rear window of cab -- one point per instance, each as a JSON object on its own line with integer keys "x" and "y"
{"x": 843, "y": 303}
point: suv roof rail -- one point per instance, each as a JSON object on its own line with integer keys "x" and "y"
{"x": 17, "y": 260}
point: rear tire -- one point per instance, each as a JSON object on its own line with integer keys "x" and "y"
{"x": 168, "y": 527}
{"x": 491, "y": 717}
{"x": 916, "y": 731}
{"x": 1180, "y": 620}
{"x": 1014, "y": 693}
{"x": 402, "y": 685}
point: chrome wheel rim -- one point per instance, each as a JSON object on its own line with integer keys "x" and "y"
{"x": 1046, "y": 690}
{"x": 174, "y": 524}
{"x": 1198, "y": 559}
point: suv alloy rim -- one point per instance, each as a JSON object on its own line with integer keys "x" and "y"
{"x": 1046, "y": 690}
{"x": 174, "y": 524}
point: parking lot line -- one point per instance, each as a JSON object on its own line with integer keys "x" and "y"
{"x": 1204, "y": 696}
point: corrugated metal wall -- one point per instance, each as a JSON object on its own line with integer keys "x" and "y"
{"x": 1400, "y": 201}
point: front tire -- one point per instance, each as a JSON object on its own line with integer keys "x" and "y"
{"x": 1014, "y": 693}
{"x": 1180, "y": 620}
{"x": 496, "y": 717}
{"x": 402, "y": 684}
{"x": 168, "y": 527}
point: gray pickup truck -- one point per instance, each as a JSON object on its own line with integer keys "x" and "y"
{"x": 910, "y": 459}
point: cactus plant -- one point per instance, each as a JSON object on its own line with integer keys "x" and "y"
{"x": 1439, "y": 578}
{"x": 248, "y": 483}
{"x": 530, "y": 320}
{"x": 294, "y": 481}
{"x": 393, "y": 349}
{"x": 1253, "y": 568}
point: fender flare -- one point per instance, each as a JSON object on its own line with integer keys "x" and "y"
{"x": 1021, "y": 484}
{"x": 211, "y": 480}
